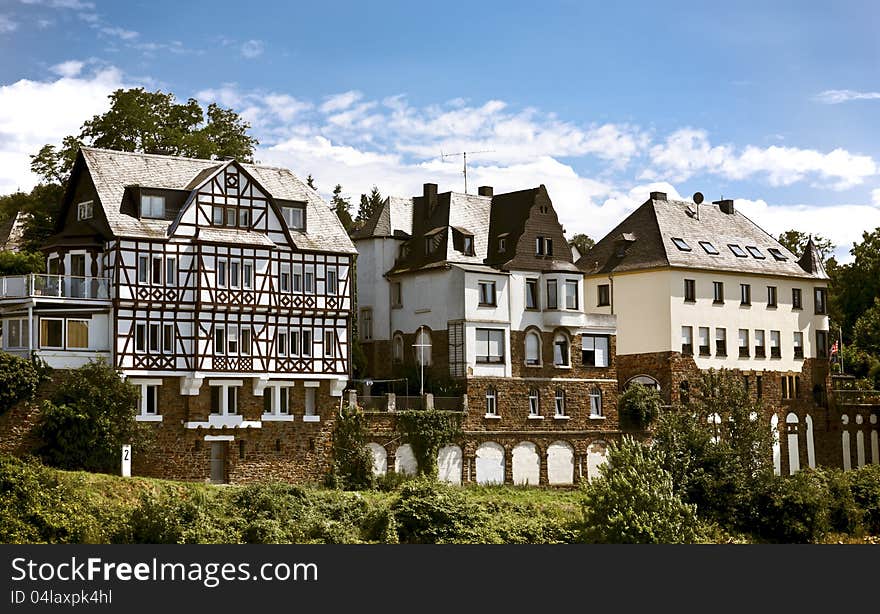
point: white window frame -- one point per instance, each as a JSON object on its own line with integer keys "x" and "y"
{"x": 595, "y": 395}
{"x": 488, "y": 357}
{"x": 171, "y": 271}
{"x": 140, "y": 348}
{"x": 145, "y": 414}
{"x": 572, "y": 300}
{"x": 332, "y": 283}
{"x": 565, "y": 357}
{"x": 21, "y": 325}
{"x": 228, "y": 392}
{"x": 40, "y": 333}
{"x": 143, "y": 269}
{"x": 536, "y": 362}
{"x": 588, "y": 343}
{"x": 247, "y": 275}
{"x": 154, "y": 347}
{"x": 485, "y": 287}
{"x": 534, "y": 402}
{"x": 219, "y": 340}
{"x": 149, "y": 202}
{"x": 222, "y": 273}
{"x": 307, "y": 343}
{"x": 234, "y": 273}
{"x": 246, "y": 341}
{"x": 491, "y": 401}
{"x": 282, "y": 345}
{"x": 232, "y": 339}
{"x": 67, "y": 322}
{"x": 85, "y": 210}
{"x": 535, "y": 297}
{"x": 168, "y": 347}
{"x": 366, "y": 329}
{"x": 329, "y": 344}
{"x": 559, "y": 403}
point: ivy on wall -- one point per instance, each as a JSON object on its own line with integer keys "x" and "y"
{"x": 352, "y": 461}
{"x": 427, "y": 431}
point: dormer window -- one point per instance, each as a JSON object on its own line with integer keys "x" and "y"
{"x": 84, "y": 210}
{"x": 709, "y": 248}
{"x": 539, "y": 246}
{"x": 776, "y": 254}
{"x": 152, "y": 206}
{"x": 468, "y": 246}
{"x": 681, "y": 244}
{"x": 502, "y": 245}
{"x": 737, "y": 250}
{"x": 755, "y": 252}
{"x": 429, "y": 245}
{"x": 294, "y": 217}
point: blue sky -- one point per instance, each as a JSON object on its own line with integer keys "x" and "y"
{"x": 774, "y": 104}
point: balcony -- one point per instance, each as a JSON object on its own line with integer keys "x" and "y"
{"x": 54, "y": 287}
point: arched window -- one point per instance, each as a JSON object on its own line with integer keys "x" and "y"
{"x": 560, "y": 350}
{"x": 397, "y": 348}
{"x": 644, "y": 380}
{"x": 534, "y": 402}
{"x": 560, "y": 402}
{"x": 422, "y": 347}
{"x": 533, "y": 348}
{"x": 595, "y": 402}
{"x": 491, "y": 401}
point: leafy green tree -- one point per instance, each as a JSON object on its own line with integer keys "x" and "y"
{"x": 866, "y": 332}
{"x": 582, "y": 242}
{"x": 21, "y": 263}
{"x": 19, "y": 378}
{"x": 42, "y": 204}
{"x": 368, "y": 206}
{"x": 88, "y": 419}
{"x": 717, "y": 449}
{"x": 634, "y": 502}
{"x": 854, "y": 286}
{"x": 639, "y": 405}
{"x": 796, "y": 242}
{"x": 342, "y": 208}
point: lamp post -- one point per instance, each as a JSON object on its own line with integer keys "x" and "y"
{"x": 421, "y": 347}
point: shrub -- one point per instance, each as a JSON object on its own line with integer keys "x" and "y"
{"x": 88, "y": 419}
{"x": 865, "y": 487}
{"x": 19, "y": 379}
{"x": 639, "y": 405}
{"x": 844, "y": 513}
{"x": 184, "y": 516}
{"x": 352, "y": 461}
{"x": 427, "y": 512}
{"x": 21, "y": 263}
{"x": 633, "y": 501}
{"x": 427, "y": 431}
{"x": 792, "y": 509}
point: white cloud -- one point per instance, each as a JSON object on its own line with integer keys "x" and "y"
{"x": 839, "y": 96}
{"x": 338, "y": 102}
{"x": 120, "y": 33}
{"x": 875, "y": 197}
{"x": 688, "y": 151}
{"x": 252, "y": 49}
{"x": 7, "y": 25}
{"x": 30, "y": 118}
{"x": 70, "y": 68}
{"x": 77, "y": 5}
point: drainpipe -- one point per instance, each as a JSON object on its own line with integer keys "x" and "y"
{"x": 611, "y": 290}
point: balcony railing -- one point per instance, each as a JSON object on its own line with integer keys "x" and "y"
{"x": 54, "y": 286}
{"x": 386, "y": 402}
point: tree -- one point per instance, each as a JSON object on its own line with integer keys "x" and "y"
{"x": 582, "y": 242}
{"x": 310, "y": 181}
{"x": 854, "y": 286}
{"x": 368, "y": 206}
{"x": 342, "y": 208}
{"x": 41, "y": 204}
{"x": 717, "y": 449}
{"x": 640, "y": 404}
{"x": 152, "y": 122}
{"x": 795, "y": 241}
{"x": 88, "y": 419}
{"x": 866, "y": 331}
{"x": 19, "y": 378}
{"x": 634, "y": 502}
{"x": 21, "y": 263}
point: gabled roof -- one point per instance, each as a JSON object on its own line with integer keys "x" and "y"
{"x": 391, "y": 219}
{"x": 112, "y": 171}
{"x": 644, "y": 240}
{"x": 811, "y": 261}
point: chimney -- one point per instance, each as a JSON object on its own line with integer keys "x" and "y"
{"x": 726, "y": 206}
{"x": 430, "y": 195}
{"x": 485, "y": 190}
{"x": 658, "y": 195}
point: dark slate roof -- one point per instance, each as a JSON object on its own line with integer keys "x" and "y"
{"x": 644, "y": 240}
{"x": 811, "y": 261}
{"x": 391, "y": 219}
{"x": 112, "y": 171}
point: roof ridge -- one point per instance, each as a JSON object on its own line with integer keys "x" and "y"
{"x": 187, "y": 158}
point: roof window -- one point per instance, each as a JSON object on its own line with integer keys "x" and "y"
{"x": 737, "y": 250}
{"x": 709, "y": 248}
{"x": 755, "y": 252}
{"x": 777, "y": 254}
{"x": 681, "y": 244}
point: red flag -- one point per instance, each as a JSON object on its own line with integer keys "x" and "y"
{"x": 834, "y": 349}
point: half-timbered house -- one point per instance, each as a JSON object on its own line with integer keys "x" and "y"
{"x": 220, "y": 289}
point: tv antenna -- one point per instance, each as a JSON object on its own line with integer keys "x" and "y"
{"x": 464, "y": 155}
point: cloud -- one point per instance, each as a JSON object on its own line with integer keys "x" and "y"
{"x": 7, "y": 25}
{"x": 338, "y": 102}
{"x": 840, "y": 96}
{"x": 688, "y": 151}
{"x": 120, "y": 33}
{"x": 70, "y": 68}
{"x": 875, "y": 197}
{"x": 30, "y": 117}
{"x": 842, "y": 223}
{"x": 77, "y": 5}
{"x": 252, "y": 49}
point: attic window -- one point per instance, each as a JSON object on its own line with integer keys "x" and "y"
{"x": 737, "y": 250}
{"x": 776, "y": 254}
{"x": 84, "y": 210}
{"x": 709, "y": 248}
{"x": 502, "y": 245}
{"x": 153, "y": 206}
{"x": 467, "y": 245}
{"x": 681, "y": 244}
{"x": 755, "y": 252}
{"x": 294, "y": 217}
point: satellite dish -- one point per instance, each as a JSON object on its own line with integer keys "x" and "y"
{"x": 698, "y": 197}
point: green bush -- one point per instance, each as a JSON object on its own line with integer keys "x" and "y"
{"x": 639, "y": 405}
{"x": 427, "y": 431}
{"x": 633, "y": 501}
{"x": 184, "y": 516}
{"x": 19, "y": 379}
{"x": 865, "y": 487}
{"x": 21, "y": 263}
{"x": 89, "y": 418}
{"x": 428, "y": 512}
{"x": 844, "y": 513}
{"x": 352, "y": 461}
{"x": 793, "y": 509}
